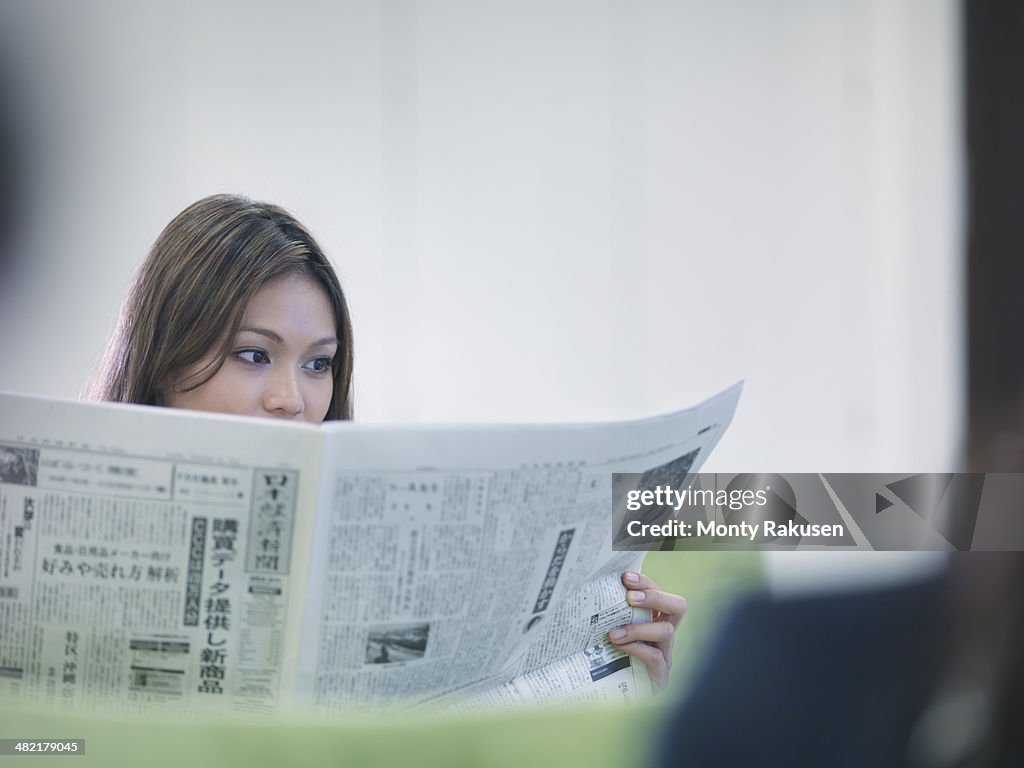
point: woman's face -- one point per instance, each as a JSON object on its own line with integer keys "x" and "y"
{"x": 280, "y": 362}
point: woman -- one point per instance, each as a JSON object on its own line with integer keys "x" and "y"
{"x": 236, "y": 309}
{"x": 198, "y": 327}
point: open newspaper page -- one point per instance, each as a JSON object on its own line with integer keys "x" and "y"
{"x": 472, "y": 566}
{"x": 150, "y": 556}
{"x": 195, "y": 561}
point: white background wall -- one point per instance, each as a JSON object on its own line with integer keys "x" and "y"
{"x": 540, "y": 211}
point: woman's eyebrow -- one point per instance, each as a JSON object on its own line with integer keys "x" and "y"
{"x": 325, "y": 341}
{"x": 262, "y": 332}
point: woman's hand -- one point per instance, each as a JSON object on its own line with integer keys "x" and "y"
{"x": 651, "y": 642}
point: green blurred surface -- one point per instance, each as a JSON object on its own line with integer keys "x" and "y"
{"x": 608, "y": 736}
{"x": 614, "y": 736}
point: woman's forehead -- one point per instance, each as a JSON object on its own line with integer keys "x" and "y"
{"x": 296, "y": 303}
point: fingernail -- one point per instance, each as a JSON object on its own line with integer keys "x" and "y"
{"x": 617, "y": 634}
{"x": 632, "y": 578}
{"x": 636, "y": 597}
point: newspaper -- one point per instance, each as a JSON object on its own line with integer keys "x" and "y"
{"x": 158, "y": 556}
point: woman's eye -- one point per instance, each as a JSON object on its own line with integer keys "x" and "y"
{"x": 253, "y": 356}
{"x": 319, "y": 365}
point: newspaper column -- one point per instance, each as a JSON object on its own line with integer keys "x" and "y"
{"x": 213, "y": 658}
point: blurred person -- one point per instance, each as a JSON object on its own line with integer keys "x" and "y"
{"x": 236, "y": 309}
{"x": 14, "y": 188}
{"x": 926, "y": 674}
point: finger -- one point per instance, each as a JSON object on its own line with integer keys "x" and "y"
{"x": 637, "y": 580}
{"x": 660, "y": 632}
{"x": 653, "y": 659}
{"x": 671, "y": 607}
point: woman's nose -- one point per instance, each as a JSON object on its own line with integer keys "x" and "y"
{"x": 282, "y": 396}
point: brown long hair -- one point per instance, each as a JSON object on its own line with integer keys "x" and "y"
{"x": 189, "y": 295}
